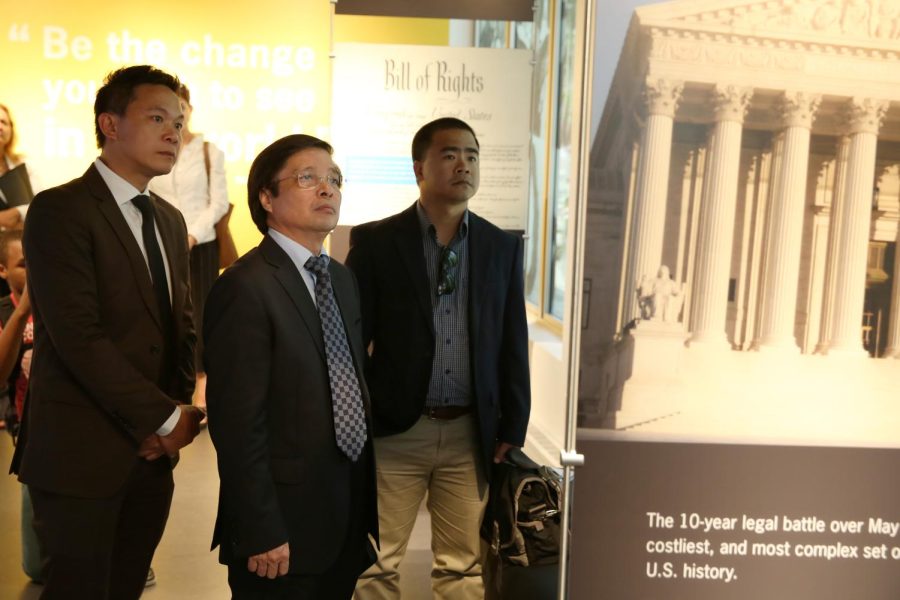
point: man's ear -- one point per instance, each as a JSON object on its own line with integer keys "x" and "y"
{"x": 109, "y": 125}
{"x": 4, "y": 272}
{"x": 417, "y": 169}
{"x": 265, "y": 199}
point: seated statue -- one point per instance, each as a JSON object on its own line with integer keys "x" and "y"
{"x": 660, "y": 299}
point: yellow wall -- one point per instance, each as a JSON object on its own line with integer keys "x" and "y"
{"x": 391, "y": 30}
{"x": 257, "y": 71}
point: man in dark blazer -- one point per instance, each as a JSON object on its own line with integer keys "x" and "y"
{"x": 444, "y": 317}
{"x": 113, "y": 340}
{"x": 288, "y": 407}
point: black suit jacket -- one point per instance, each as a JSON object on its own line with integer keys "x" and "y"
{"x": 283, "y": 478}
{"x": 98, "y": 342}
{"x": 389, "y": 262}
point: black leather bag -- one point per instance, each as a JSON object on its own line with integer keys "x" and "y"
{"x": 522, "y": 528}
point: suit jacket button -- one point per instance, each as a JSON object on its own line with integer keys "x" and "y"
{"x": 154, "y": 349}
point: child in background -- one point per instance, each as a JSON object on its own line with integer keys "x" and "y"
{"x": 16, "y": 343}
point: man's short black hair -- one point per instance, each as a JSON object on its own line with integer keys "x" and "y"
{"x": 118, "y": 88}
{"x": 267, "y": 164}
{"x": 6, "y": 238}
{"x": 422, "y": 139}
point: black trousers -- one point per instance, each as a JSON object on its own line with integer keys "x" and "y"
{"x": 204, "y": 271}
{"x": 339, "y": 580}
{"x": 101, "y": 548}
{"x": 337, "y": 583}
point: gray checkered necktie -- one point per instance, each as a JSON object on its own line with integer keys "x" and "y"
{"x": 349, "y": 417}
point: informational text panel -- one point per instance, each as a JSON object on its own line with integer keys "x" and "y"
{"x": 713, "y": 521}
{"x": 384, "y": 93}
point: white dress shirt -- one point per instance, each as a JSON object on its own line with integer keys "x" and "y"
{"x": 299, "y": 254}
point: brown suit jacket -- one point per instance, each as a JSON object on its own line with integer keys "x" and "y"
{"x": 98, "y": 343}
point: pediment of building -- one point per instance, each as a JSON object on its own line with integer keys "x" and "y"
{"x": 866, "y": 22}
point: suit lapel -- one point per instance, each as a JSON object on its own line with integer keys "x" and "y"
{"x": 170, "y": 234}
{"x": 481, "y": 245}
{"x": 409, "y": 246}
{"x": 290, "y": 279}
{"x": 342, "y": 292}
{"x": 113, "y": 214}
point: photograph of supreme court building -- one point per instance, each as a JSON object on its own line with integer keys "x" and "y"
{"x": 741, "y": 268}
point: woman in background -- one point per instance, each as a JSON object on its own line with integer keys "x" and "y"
{"x": 11, "y": 218}
{"x": 198, "y": 188}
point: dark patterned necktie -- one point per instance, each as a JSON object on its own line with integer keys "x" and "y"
{"x": 155, "y": 260}
{"x": 349, "y": 417}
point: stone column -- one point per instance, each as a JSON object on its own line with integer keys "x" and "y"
{"x": 652, "y": 187}
{"x": 851, "y": 256}
{"x": 834, "y": 226}
{"x": 710, "y": 295}
{"x": 893, "y": 341}
{"x": 784, "y": 230}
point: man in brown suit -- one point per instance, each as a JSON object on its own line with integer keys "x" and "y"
{"x": 113, "y": 350}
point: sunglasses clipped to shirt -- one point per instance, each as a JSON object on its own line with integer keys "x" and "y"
{"x": 447, "y": 271}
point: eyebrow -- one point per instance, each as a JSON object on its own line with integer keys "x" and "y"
{"x": 334, "y": 169}
{"x": 458, "y": 149}
{"x": 163, "y": 109}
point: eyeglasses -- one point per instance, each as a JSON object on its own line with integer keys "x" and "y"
{"x": 447, "y": 273}
{"x": 308, "y": 181}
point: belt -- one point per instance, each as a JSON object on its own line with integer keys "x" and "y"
{"x": 445, "y": 413}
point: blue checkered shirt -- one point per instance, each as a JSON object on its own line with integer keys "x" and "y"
{"x": 450, "y": 383}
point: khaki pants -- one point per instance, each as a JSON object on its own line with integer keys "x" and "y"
{"x": 442, "y": 459}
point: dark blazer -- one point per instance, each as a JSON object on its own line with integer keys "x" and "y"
{"x": 389, "y": 262}
{"x": 283, "y": 478}
{"x": 98, "y": 342}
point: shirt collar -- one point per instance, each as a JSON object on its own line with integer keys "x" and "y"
{"x": 121, "y": 190}
{"x": 428, "y": 229}
{"x": 297, "y": 252}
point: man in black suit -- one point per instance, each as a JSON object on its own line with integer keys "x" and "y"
{"x": 444, "y": 312}
{"x": 287, "y": 401}
{"x": 113, "y": 340}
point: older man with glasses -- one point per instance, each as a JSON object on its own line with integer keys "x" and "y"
{"x": 444, "y": 318}
{"x": 287, "y": 402}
